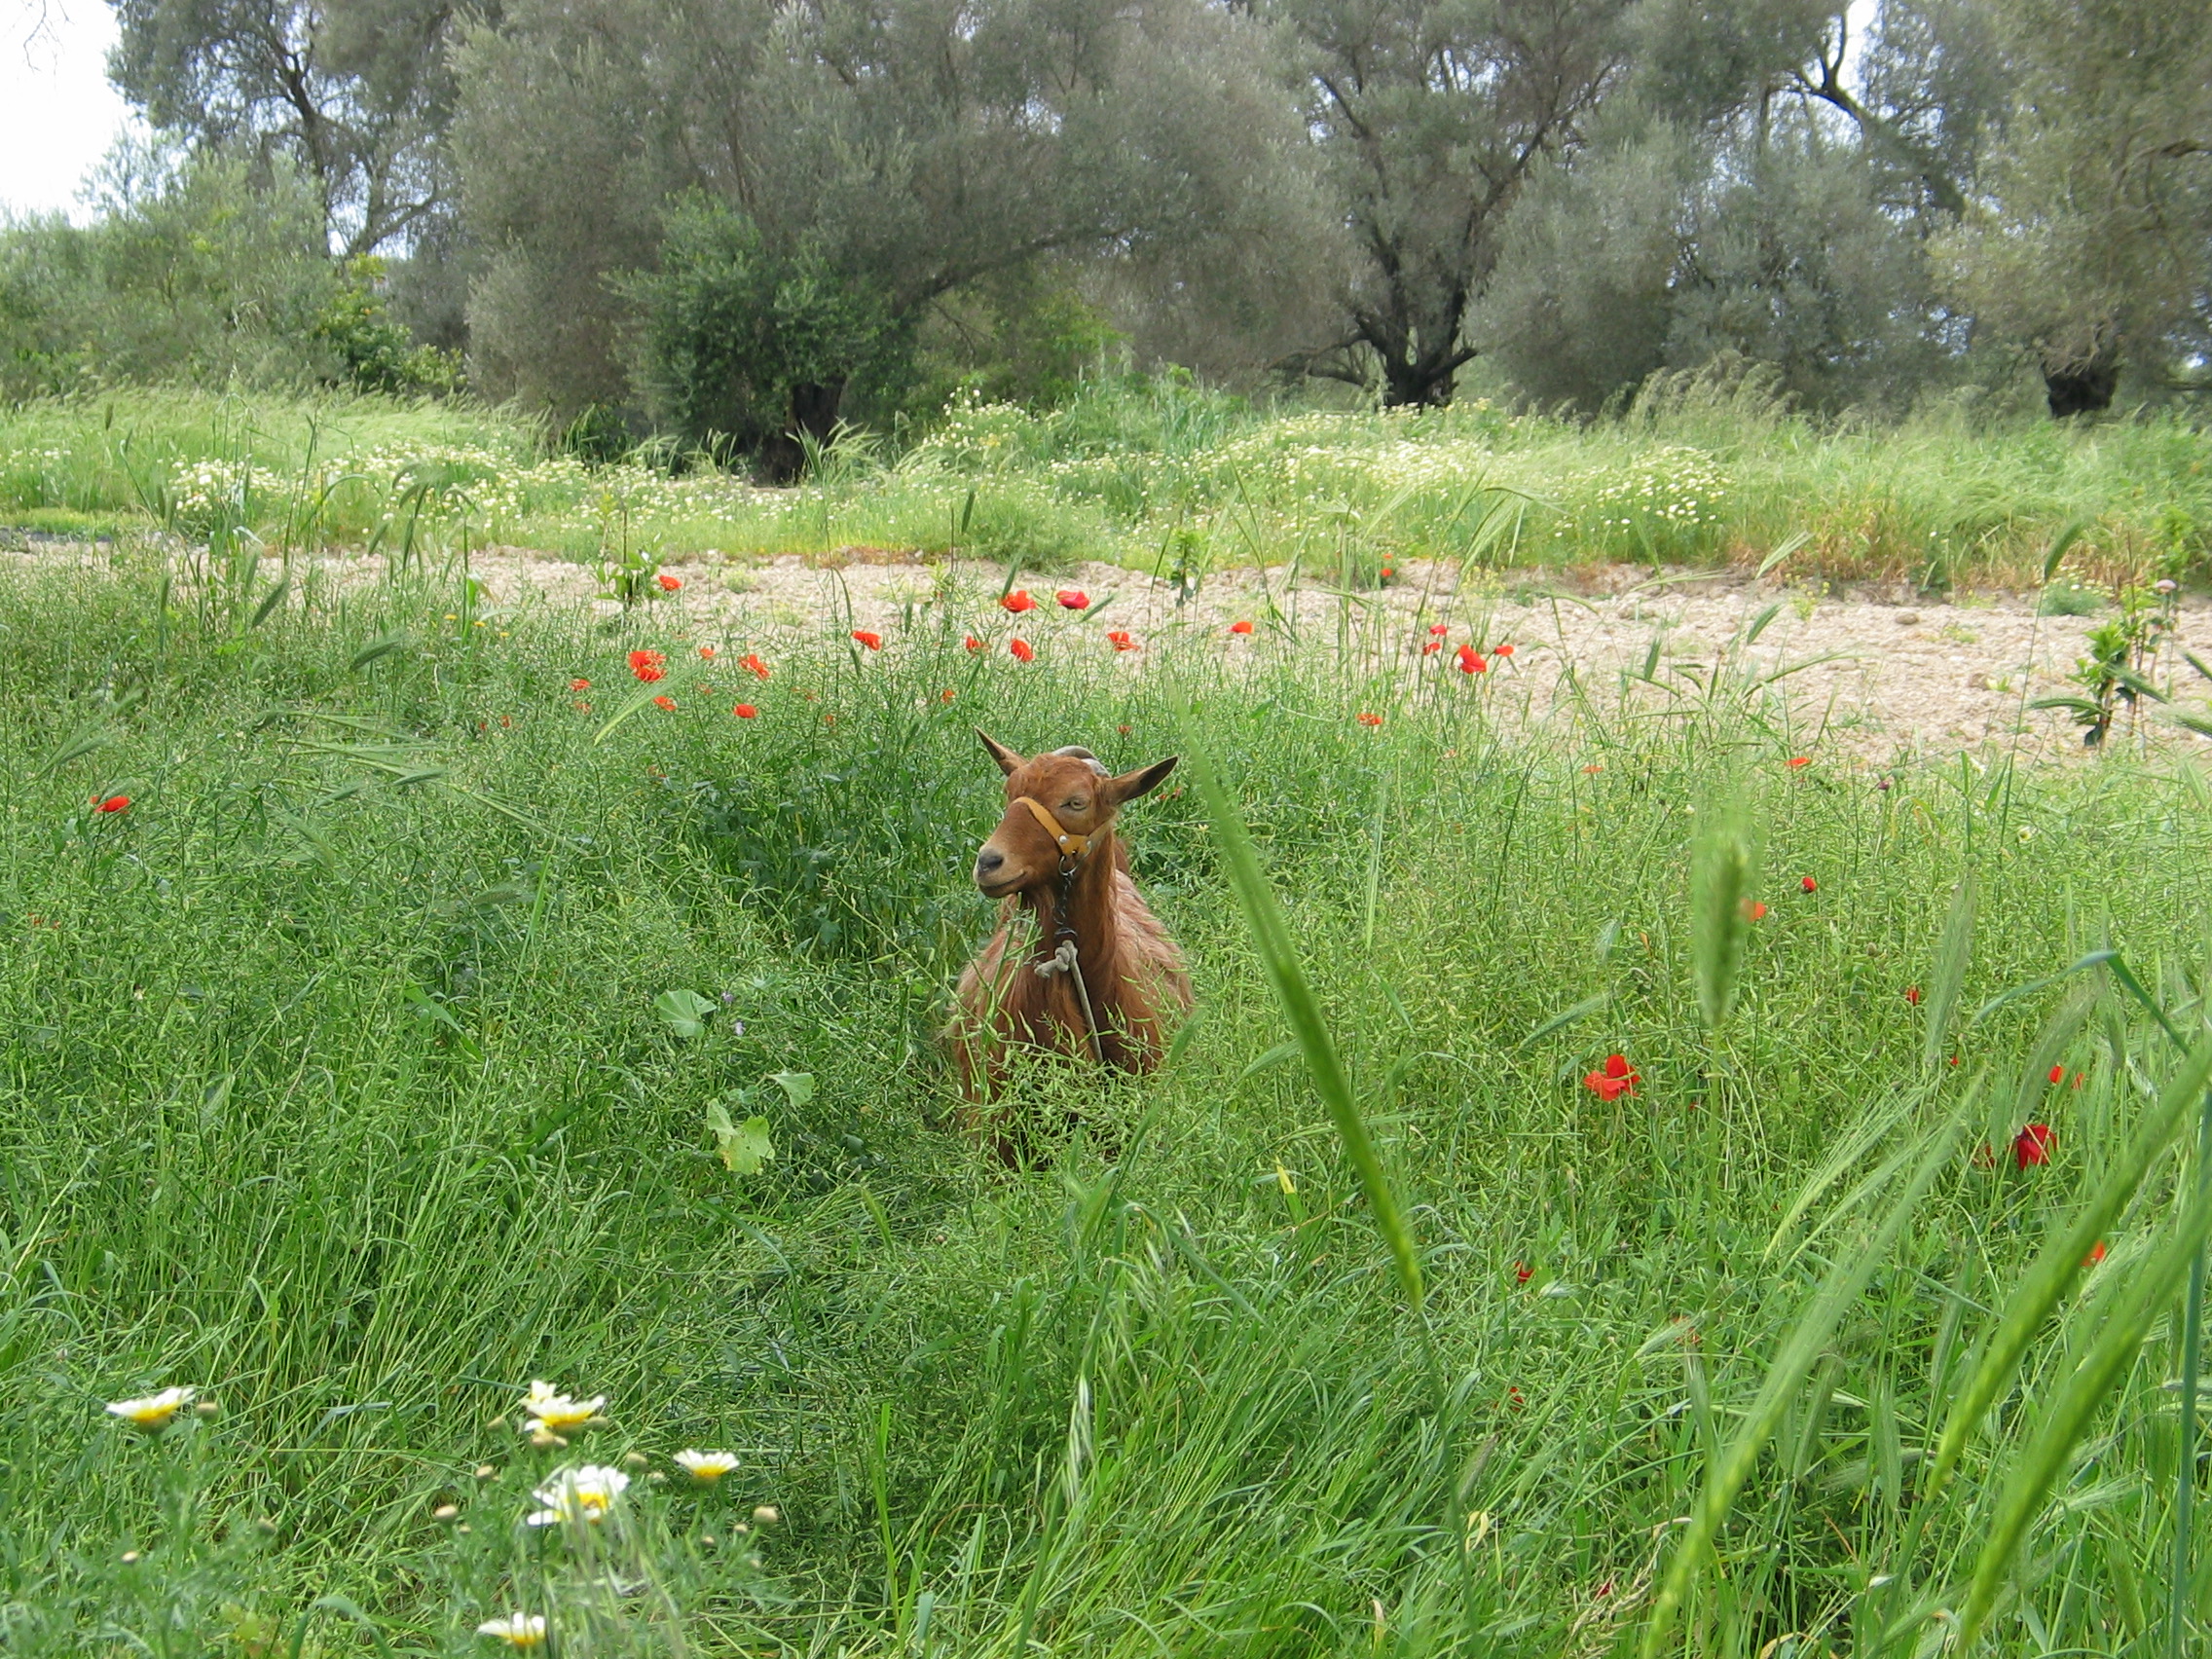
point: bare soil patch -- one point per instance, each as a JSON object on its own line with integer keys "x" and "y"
{"x": 1881, "y": 676}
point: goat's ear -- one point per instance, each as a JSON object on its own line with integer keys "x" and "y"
{"x": 1009, "y": 761}
{"x": 1130, "y": 785}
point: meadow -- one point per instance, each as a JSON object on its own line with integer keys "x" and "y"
{"x": 1162, "y": 475}
{"x": 426, "y": 1023}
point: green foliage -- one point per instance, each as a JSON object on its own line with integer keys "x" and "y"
{"x": 205, "y": 269}
{"x": 742, "y": 343}
{"x": 375, "y": 349}
{"x": 335, "y": 1083}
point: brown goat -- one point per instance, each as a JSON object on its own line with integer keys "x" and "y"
{"x": 1070, "y": 878}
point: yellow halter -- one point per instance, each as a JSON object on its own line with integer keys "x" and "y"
{"x": 1072, "y": 847}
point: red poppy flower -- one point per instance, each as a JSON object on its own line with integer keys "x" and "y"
{"x": 1521, "y": 1272}
{"x": 669, "y": 583}
{"x": 1796, "y": 760}
{"x": 1432, "y": 648}
{"x": 1613, "y": 1080}
{"x": 2032, "y": 1144}
{"x": 1021, "y": 649}
{"x": 1754, "y": 909}
{"x": 946, "y": 695}
{"x": 1503, "y": 651}
{"x": 707, "y": 653}
{"x": 1912, "y": 995}
{"x": 649, "y": 666}
{"x": 1387, "y": 572}
{"x": 745, "y": 710}
{"x": 973, "y": 643}
{"x": 1017, "y": 601}
{"x": 668, "y": 703}
{"x": 1471, "y": 663}
{"x": 1367, "y": 720}
{"x": 1593, "y": 767}
{"x": 1120, "y": 638}
{"x": 2096, "y": 1254}
{"x": 1123, "y": 730}
{"x": 873, "y": 642}
{"x": 113, "y": 805}
{"x": 1072, "y": 599}
{"x": 1810, "y": 885}
{"x": 2058, "y": 1074}
{"x": 579, "y": 686}
{"x": 1437, "y": 630}
{"x": 1514, "y": 1399}
{"x": 1240, "y": 627}
{"x": 580, "y": 706}
{"x": 752, "y": 664}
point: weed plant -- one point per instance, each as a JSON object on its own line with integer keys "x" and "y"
{"x": 1160, "y": 474}
{"x": 418, "y": 1029}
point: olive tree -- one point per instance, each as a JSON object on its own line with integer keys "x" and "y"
{"x": 354, "y": 93}
{"x": 1431, "y": 115}
{"x": 2089, "y": 242}
{"x": 897, "y": 152}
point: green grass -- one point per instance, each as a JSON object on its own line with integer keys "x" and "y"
{"x": 1160, "y": 475}
{"x": 334, "y": 1083}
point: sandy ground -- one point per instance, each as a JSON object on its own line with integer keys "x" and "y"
{"x": 1880, "y": 676}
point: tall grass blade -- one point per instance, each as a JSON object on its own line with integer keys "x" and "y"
{"x": 1788, "y": 545}
{"x": 1952, "y": 954}
{"x": 1375, "y": 856}
{"x": 2192, "y": 1364}
{"x": 1800, "y": 1350}
{"x": 271, "y": 600}
{"x": 2062, "y": 543}
{"x": 1850, "y": 1154}
{"x": 1567, "y": 1017}
{"x": 2058, "y": 1264}
{"x": 2150, "y": 1287}
{"x": 1720, "y": 882}
{"x": 81, "y": 739}
{"x": 1279, "y": 958}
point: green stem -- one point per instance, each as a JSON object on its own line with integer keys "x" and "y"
{"x": 2191, "y": 1358}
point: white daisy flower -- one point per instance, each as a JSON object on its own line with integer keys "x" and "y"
{"x": 584, "y": 1494}
{"x": 552, "y": 1412}
{"x": 156, "y": 1412}
{"x": 707, "y": 1468}
{"x": 516, "y": 1630}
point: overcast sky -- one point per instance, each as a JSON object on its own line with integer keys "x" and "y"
{"x": 57, "y": 113}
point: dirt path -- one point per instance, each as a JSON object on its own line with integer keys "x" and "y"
{"x": 1880, "y": 679}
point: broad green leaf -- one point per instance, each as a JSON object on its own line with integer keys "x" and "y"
{"x": 797, "y": 1086}
{"x": 742, "y": 1147}
{"x": 685, "y": 1011}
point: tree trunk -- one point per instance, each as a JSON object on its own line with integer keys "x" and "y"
{"x": 813, "y": 416}
{"x": 2085, "y": 389}
{"x": 1416, "y": 378}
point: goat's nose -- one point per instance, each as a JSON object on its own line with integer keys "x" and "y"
{"x": 987, "y": 862}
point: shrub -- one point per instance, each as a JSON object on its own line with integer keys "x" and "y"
{"x": 750, "y": 345}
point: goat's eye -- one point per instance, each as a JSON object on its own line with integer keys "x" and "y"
{"x": 1077, "y": 805}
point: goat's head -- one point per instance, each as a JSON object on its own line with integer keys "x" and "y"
{"x": 1075, "y": 789}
